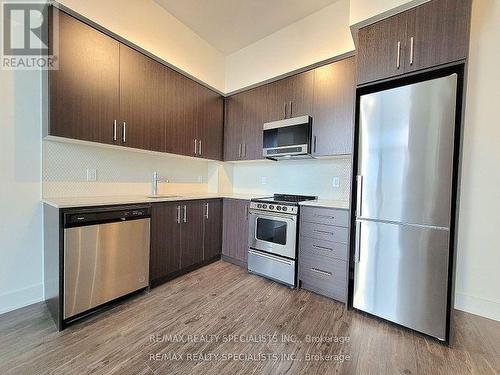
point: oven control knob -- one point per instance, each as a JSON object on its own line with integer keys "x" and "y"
{"x": 264, "y": 206}
{"x": 285, "y": 208}
{"x": 278, "y": 208}
{"x": 259, "y": 206}
{"x": 271, "y": 207}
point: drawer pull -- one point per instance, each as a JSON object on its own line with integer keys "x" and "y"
{"x": 321, "y": 272}
{"x": 323, "y": 231}
{"x": 323, "y": 247}
{"x": 325, "y": 216}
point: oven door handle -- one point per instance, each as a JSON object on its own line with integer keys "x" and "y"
{"x": 273, "y": 215}
{"x": 290, "y": 263}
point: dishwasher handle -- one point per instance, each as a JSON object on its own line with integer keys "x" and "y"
{"x": 96, "y": 216}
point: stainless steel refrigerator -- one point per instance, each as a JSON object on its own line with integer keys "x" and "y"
{"x": 404, "y": 204}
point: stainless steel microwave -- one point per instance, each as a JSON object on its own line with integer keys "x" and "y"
{"x": 288, "y": 139}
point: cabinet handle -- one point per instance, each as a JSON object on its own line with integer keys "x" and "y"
{"x": 206, "y": 215}
{"x": 124, "y": 132}
{"x": 185, "y": 214}
{"x": 115, "y": 137}
{"x": 291, "y": 106}
{"x": 412, "y": 50}
{"x": 323, "y": 247}
{"x": 244, "y": 150}
{"x": 195, "y": 146}
{"x": 398, "y": 58}
{"x": 314, "y": 143}
{"x": 199, "y": 149}
{"x": 323, "y": 232}
{"x": 178, "y": 214}
{"x": 321, "y": 272}
{"x": 284, "y": 110}
{"x": 324, "y": 216}
{"x": 239, "y": 150}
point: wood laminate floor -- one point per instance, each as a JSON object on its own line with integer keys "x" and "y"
{"x": 222, "y": 302}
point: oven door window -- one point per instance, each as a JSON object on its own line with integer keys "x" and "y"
{"x": 271, "y": 230}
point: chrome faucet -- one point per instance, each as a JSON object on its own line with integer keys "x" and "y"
{"x": 154, "y": 183}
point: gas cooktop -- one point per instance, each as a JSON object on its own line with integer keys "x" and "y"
{"x": 288, "y": 199}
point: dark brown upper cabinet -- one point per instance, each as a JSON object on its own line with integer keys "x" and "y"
{"x": 142, "y": 90}
{"x": 84, "y": 91}
{"x": 333, "y": 108}
{"x": 210, "y": 124}
{"x": 432, "y": 34}
{"x": 440, "y": 33}
{"x": 245, "y": 114}
{"x": 212, "y": 228}
{"x": 290, "y": 97}
{"x": 108, "y": 92}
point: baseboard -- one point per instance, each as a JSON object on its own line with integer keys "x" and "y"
{"x": 477, "y": 306}
{"x": 20, "y": 298}
{"x": 234, "y": 261}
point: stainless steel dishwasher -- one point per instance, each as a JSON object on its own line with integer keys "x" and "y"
{"x": 106, "y": 256}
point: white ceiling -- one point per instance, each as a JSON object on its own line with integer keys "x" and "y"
{"x": 229, "y": 25}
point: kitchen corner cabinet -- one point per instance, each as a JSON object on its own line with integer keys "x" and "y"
{"x": 107, "y": 92}
{"x": 184, "y": 235}
{"x": 245, "y": 116}
{"x": 235, "y": 231}
{"x": 333, "y": 108}
{"x": 432, "y": 34}
{"x": 84, "y": 91}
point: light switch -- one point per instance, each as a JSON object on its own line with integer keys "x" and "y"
{"x": 91, "y": 174}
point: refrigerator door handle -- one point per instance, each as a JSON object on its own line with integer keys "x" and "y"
{"x": 359, "y": 193}
{"x": 357, "y": 248}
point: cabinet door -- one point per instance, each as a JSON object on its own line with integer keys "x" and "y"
{"x": 290, "y": 97}
{"x": 165, "y": 240}
{"x": 210, "y": 123}
{"x": 142, "y": 90}
{"x": 254, "y": 109}
{"x": 378, "y": 49}
{"x": 212, "y": 228}
{"x": 84, "y": 92}
{"x": 233, "y": 128}
{"x": 180, "y": 113}
{"x": 333, "y": 108}
{"x": 440, "y": 30}
{"x": 235, "y": 229}
{"x": 191, "y": 233}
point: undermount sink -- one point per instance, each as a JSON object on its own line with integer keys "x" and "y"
{"x": 164, "y": 196}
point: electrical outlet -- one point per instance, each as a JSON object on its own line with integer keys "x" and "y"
{"x": 263, "y": 180}
{"x": 91, "y": 174}
{"x": 336, "y": 182}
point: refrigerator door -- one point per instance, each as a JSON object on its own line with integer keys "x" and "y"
{"x": 406, "y": 153}
{"x": 401, "y": 275}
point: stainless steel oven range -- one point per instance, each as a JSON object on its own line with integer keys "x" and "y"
{"x": 272, "y": 237}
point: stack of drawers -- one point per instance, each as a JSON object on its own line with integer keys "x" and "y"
{"x": 323, "y": 251}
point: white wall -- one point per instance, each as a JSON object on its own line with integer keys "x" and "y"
{"x": 150, "y": 26}
{"x": 361, "y": 10}
{"x": 305, "y": 177}
{"x": 478, "y": 268}
{"x": 315, "y": 38}
{"x": 20, "y": 188}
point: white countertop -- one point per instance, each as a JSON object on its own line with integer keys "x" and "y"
{"x": 71, "y": 202}
{"x": 341, "y": 205}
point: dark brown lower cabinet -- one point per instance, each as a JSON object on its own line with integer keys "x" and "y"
{"x": 165, "y": 258}
{"x": 183, "y": 235}
{"x": 235, "y": 231}
{"x": 212, "y": 228}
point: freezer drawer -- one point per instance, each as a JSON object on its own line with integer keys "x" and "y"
{"x": 401, "y": 274}
{"x": 273, "y": 267}
{"x": 103, "y": 262}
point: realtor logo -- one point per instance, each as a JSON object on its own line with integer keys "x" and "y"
{"x": 25, "y": 36}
